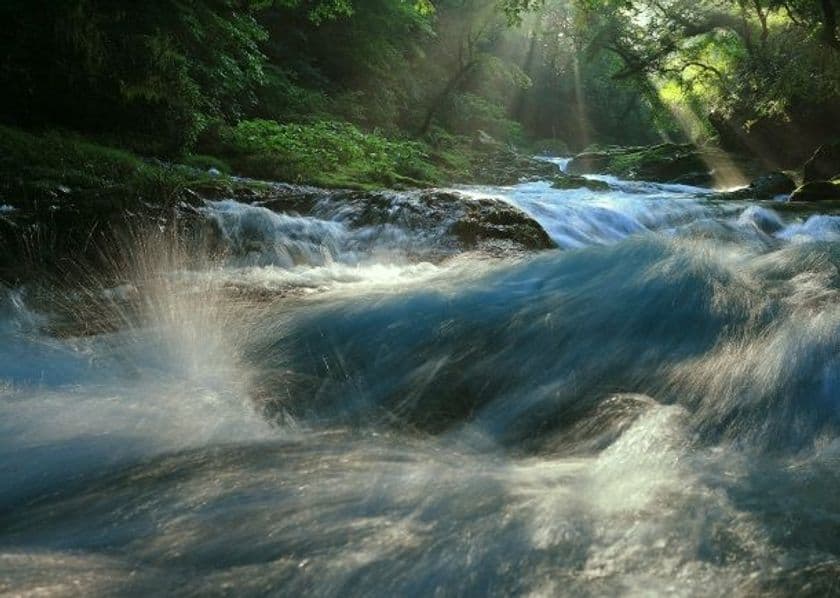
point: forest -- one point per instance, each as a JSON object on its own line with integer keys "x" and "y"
{"x": 385, "y": 92}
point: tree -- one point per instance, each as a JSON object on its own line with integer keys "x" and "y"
{"x": 162, "y": 66}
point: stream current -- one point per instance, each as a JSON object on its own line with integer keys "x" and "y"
{"x": 652, "y": 408}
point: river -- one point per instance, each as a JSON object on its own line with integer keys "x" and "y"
{"x": 652, "y": 408}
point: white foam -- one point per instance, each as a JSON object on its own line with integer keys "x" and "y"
{"x": 819, "y": 227}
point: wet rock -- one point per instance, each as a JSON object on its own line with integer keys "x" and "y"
{"x": 664, "y": 163}
{"x": 469, "y": 222}
{"x": 592, "y": 162}
{"x": 507, "y": 167}
{"x": 767, "y": 186}
{"x": 487, "y": 219}
{"x": 771, "y": 185}
{"x": 824, "y": 164}
{"x": 573, "y": 181}
{"x": 551, "y": 147}
{"x": 486, "y": 141}
{"x": 817, "y": 191}
{"x": 64, "y": 231}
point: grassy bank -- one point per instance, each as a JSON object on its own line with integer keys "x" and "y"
{"x": 46, "y": 165}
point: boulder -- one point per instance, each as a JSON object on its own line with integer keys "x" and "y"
{"x": 574, "y": 181}
{"x": 592, "y": 162}
{"x": 824, "y": 164}
{"x": 664, "y": 163}
{"x": 460, "y": 222}
{"x": 551, "y": 147}
{"x": 766, "y": 186}
{"x": 817, "y": 191}
{"x": 507, "y": 167}
{"x": 771, "y": 185}
{"x": 488, "y": 221}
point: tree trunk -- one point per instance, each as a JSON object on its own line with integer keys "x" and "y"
{"x": 439, "y": 99}
{"x": 830, "y": 24}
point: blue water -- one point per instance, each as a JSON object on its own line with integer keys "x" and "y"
{"x": 652, "y": 408}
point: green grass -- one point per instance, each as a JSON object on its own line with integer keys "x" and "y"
{"x": 48, "y": 166}
{"x": 51, "y": 166}
{"x": 326, "y": 153}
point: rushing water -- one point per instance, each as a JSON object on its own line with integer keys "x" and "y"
{"x": 651, "y": 409}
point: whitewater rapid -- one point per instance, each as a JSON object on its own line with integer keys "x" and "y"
{"x": 651, "y": 408}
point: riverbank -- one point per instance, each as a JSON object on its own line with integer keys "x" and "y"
{"x": 66, "y": 199}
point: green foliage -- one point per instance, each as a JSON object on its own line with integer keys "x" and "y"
{"x": 771, "y": 63}
{"x": 358, "y": 68}
{"x": 469, "y": 113}
{"x": 58, "y": 159}
{"x": 327, "y": 153}
{"x": 54, "y": 165}
{"x": 161, "y": 67}
{"x": 168, "y": 77}
{"x": 203, "y": 162}
{"x": 282, "y": 98}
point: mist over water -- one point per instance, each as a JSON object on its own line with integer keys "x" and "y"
{"x": 652, "y": 408}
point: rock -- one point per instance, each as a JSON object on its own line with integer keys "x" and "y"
{"x": 485, "y": 140}
{"x": 685, "y": 164}
{"x": 771, "y": 185}
{"x": 551, "y": 147}
{"x": 468, "y": 222}
{"x": 766, "y": 186}
{"x": 573, "y": 181}
{"x": 701, "y": 178}
{"x": 817, "y": 191}
{"x": 824, "y": 164}
{"x": 83, "y": 228}
{"x": 664, "y": 163}
{"x": 493, "y": 220}
{"x": 591, "y": 163}
{"x": 507, "y": 167}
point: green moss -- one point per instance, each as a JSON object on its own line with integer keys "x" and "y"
{"x": 817, "y": 191}
{"x": 327, "y": 153}
{"x": 202, "y": 162}
{"x": 54, "y": 164}
{"x": 550, "y": 147}
{"x": 570, "y": 181}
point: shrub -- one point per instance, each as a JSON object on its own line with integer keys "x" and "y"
{"x": 327, "y": 153}
{"x": 51, "y": 164}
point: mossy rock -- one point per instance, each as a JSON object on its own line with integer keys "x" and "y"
{"x": 767, "y": 186}
{"x": 488, "y": 220}
{"x": 823, "y": 165}
{"x": 665, "y": 163}
{"x": 572, "y": 181}
{"x": 817, "y": 191}
{"x": 208, "y": 163}
{"x": 551, "y": 147}
{"x": 507, "y": 167}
